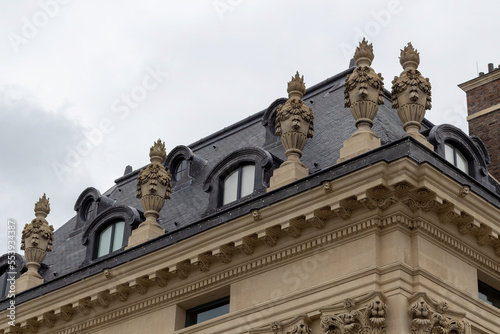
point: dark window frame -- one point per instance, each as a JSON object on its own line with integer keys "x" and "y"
{"x": 489, "y": 292}
{"x": 180, "y": 163}
{"x": 192, "y": 313}
{"x": 132, "y": 218}
{"x": 112, "y": 238}
{"x": 239, "y": 170}
{"x": 457, "y": 149}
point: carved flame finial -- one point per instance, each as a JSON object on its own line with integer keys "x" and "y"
{"x": 364, "y": 53}
{"x": 409, "y": 56}
{"x": 158, "y": 150}
{"x": 296, "y": 85}
{"x": 42, "y": 205}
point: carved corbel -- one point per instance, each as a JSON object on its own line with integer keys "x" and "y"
{"x": 49, "y": 319}
{"x": 84, "y": 306}
{"x": 202, "y": 261}
{"x": 342, "y": 212}
{"x": 67, "y": 312}
{"x": 122, "y": 292}
{"x": 271, "y": 234}
{"x": 32, "y": 325}
{"x": 294, "y": 226}
{"x": 103, "y": 298}
{"x": 182, "y": 269}
{"x": 248, "y": 244}
{"x": 142, "y": 284}
{"x": 327, "y": 187}
{"x": 332, "y": 324}
{"x": 225, "y": 253}
{"x": 161, "y": 277}
{"x": 320, "y": 216}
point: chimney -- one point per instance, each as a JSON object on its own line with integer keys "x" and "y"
{"x": 483, "y": 110}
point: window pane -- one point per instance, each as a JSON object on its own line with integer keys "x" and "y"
{"x": 247, "y": 180}
{"x": 212, "y": 313}
{"x": 230, "y": 187}
{"x": 448, "y": 153}
{"x": 118, "y": 237}
{"x": 3, "y": 284}
{"x": 462, "y": 162}
{"x": 180, "y": 170}
{"x": 104, "y": 241}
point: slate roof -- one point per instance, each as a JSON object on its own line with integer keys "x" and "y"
{"x": 186, "y": 214}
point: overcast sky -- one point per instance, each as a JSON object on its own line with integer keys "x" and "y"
{"x": 87, "y": 86}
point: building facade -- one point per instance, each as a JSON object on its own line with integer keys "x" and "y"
{"x": 339, "y": 209}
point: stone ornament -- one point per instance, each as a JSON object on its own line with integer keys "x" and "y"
{"x": 154, "y": 185}
{"x": 428, "y": 317}
{"x": 294, "y": 124}
{"x": 294, "y": 120}
{"x": 367, "y": 319}
{"x": 300, "y": 324}
{"x": 411, "y": 94}
{"x": 36, "y": 241}
{"x": 364, "y": 91}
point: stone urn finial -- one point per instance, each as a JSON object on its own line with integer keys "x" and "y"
{"x": 364, "y": 91}
{"x": 294, "y": 120}
{"x": 294, "y": 124}
{"x": 36, "y": 241}
{"x": 154, "y": 184}
{"x": 411, "y": 94}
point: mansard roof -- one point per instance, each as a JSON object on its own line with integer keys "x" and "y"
{"x": 190, "y": 211}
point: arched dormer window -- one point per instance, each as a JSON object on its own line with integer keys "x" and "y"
{"x": 89, "y": 204}
{"x": 239, "y": 183}
{"x": 111, "y": 238}
{"x": 231, "y": 178}
{"x": 109, "y": 231}
{"x": 269, "y": 122}
{"x": 453, "y": 155}
{"x": 184, "y": 165}
{"x": 466, "y": 153}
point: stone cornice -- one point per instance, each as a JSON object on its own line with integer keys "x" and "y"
{"x": 479, "y": 81}
{"x": 382, "y": 190}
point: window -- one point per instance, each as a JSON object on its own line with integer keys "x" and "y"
{"x": 88, "y": 208}
{"x": 453, "y": 155}
{"x": 239, "y": 183}
{"x": 4, "y": 286}
{"x": 489, "y": 294}
{"x": 111, "y": 238}
{"x": 207, "y": 311}
{"x": 180, "y": 170}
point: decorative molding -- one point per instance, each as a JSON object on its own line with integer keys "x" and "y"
{"x": 428, "y": 316}
{"x": 300, "y": 324}
{"x": 366, "y": 315}
{"x": 247, "y": 245}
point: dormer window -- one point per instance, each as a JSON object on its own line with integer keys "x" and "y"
{"x": 180, "y": 170}
{"x": 453, "y": 155}
{"x": 111, "y": 238}
{"x": 4, "y": 286}
{"x": 238, "y": 183}
{"x": 109, "y": 231}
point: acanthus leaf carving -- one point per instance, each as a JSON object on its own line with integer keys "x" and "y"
{"x": 424, "y": 320}
{"x": 368, "y": 319}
